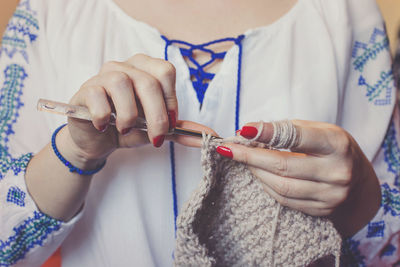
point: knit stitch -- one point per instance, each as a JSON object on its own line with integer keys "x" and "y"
{"x": 231, "y": 221}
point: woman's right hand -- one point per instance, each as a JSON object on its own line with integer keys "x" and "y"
{"x": 141, "y": 86}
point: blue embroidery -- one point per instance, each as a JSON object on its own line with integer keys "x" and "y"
{"x": 379, "y": 92}
{"x": 390, "y": 200}
{"x": 369, "y": 51}
{"x": 388, "y": 250}
{"x": 376, "y": 229}
{"x": 351, "y": 255}
{"x": 21, "y": 30}
{"x": 373, "y": 91}
{"x": 357, "y": 47}
{"x": 391, "y": 152}
{"x": 16, "y": 196}
{"x": 32, "y": 232}
{"x": 10, "y": 103}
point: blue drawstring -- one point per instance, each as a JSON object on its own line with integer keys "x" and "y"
{"x": 200, "y": 87}
{"x": 173, "y": 182}
{"x": 239, "y": 72}
{"x": 172, "y": 158}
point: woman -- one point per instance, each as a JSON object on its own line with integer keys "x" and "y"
{"x": 324, "y": 63}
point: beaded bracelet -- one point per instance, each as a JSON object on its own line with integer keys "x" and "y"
{"x": 71, "y": 167}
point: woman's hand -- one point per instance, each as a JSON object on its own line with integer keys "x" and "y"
{"x": 325, "y": 174}
{"x": 141, "y": 86}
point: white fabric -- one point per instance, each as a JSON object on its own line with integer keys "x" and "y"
{"x": 298, "y": 67}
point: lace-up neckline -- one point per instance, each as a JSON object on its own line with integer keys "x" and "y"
{"x": 198, "y": 70}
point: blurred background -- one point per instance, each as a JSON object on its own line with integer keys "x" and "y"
{"x": 6, "y": 9}
{"x": 390, "y": 10}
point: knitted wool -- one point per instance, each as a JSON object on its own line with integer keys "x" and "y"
{"x": 229, "y": 220}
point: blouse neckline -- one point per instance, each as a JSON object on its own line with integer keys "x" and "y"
{"x": 263, "y": 29}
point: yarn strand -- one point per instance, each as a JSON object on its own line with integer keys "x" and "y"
{"x": 274, "y": 227}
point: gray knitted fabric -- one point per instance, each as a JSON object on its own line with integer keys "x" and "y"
{"x": 229, "y": 220}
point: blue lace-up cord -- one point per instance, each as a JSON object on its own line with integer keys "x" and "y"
{"x": 201, "y": 88}
{"x": 172, "y": 158}
{"x": 198, "y": 72}
{"x": 239, "y": 72}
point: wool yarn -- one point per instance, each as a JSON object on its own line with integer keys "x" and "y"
{"x": 229, "y": 220}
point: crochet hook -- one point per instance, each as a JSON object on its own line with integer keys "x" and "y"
{"x": 81, "y": 112}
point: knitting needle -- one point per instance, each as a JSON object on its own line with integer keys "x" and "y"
{"x": 80, "y": 112}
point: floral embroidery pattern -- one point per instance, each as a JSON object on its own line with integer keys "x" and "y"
{"x": 391, "y": 152}
{"x": 16, "y": 196}
{"x": 351, "y": 255}
{"x": 390, "y": 200}
{"x": 369, "y": 50}
{"x": 376, "y": 229}
{"x": 32, "y": 232}
{"x": 21, "y": 30}
{"x": 10, "y": 103}
{"x": 378, "y": 92}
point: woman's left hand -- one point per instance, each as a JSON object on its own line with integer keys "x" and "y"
{"x": 325, "y": 174}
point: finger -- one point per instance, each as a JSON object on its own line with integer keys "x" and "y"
{"x": 135, "y": 138}
{"x": 311, "y": 137}
{"x": 149, "y": 92}
{"x": 291, "y": 187}
{"x": 190, "y": 140}
{"x": 99, "y": 107}
{"x": 96, "y": 100}
{"x": 119, "y": 88}
{"x": 281, "y": 163}
{"x": 165, "y": 73}
{"x": 150, "y": 95}
{"x": 310, "y": 207}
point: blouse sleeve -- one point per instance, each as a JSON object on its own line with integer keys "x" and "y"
{"x": 368, "y": 113}
{"x": 27, "y": 236}
{"x": 377, "y": 244}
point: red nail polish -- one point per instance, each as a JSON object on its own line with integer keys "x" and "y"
{"x": 249, "y": 132}
{"x": 225, "y": 151}
{"x": 103, "y": 128}
{"x": 126, "y": 131}
{"x": 158, "y": 141}
{"x": 172, "y": 119}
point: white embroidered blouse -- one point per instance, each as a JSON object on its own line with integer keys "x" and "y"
{"x": 323, "y": 61}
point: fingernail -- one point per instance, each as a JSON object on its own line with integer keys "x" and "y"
{"x": 249, "y": 132}
{"x": 172, "y": 119}
{"x": 126, "y": 131}
{"x": 238, "y": 132}
{"x": 158, "y": 141}
{"x": 103, "y": 128}
{"x": 225, "y": 151}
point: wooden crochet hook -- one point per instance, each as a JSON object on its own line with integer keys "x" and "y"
{"x": 82, "y": 113}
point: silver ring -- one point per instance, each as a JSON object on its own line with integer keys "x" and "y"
{"x": 285, "y": 135}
